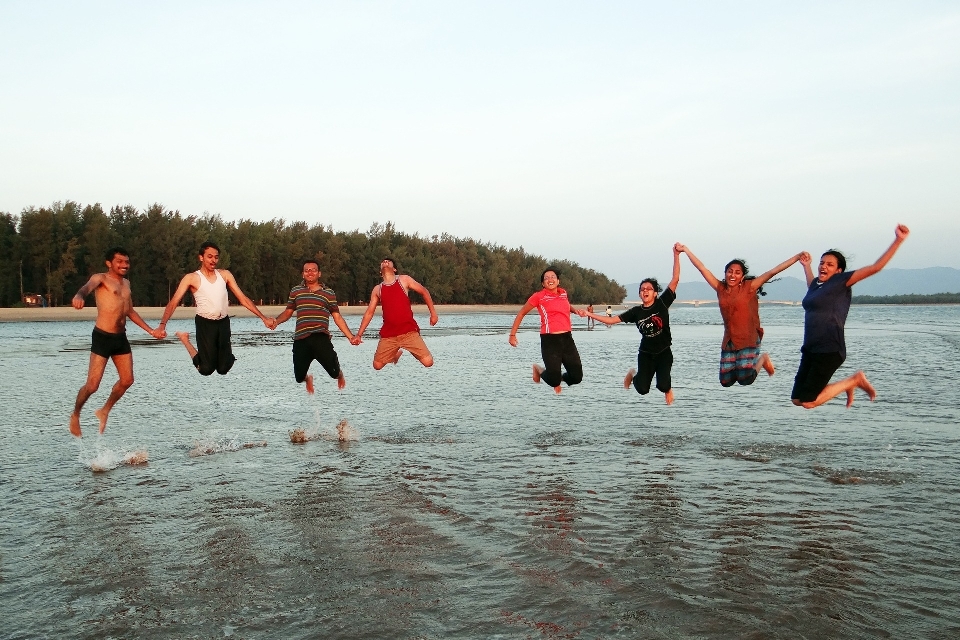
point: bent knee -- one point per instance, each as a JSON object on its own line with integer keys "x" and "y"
{"x": 126, "y": 383}
{"x": 379, "y": 365}
{"x": 727, "y": 383}
{"x": 427, "y": 362}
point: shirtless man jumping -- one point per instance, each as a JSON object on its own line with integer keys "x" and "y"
{"x": 209, "y": 287}
{"x": 114, "y": 306}
{"x": 400, "y": 330}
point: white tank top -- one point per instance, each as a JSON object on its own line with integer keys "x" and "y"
{"x": 211, "y": 297}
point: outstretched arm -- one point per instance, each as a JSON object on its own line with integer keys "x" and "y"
{"x": 524, "y": 310}
{"x": 805, "y": 260}
{"x": 181, "y": 291}
{"x": 695, "y": 261}
{"x": 157, "y": 333}
{"x": 603, "y": 319}
{"x": 85, "y": 290}
{"x": 342, "y": 324}
{"x": 675, "y": 280}
{"x": 422, "y": 290}
{"x": 760, "y": 280}
{"x": 246, "y": 302}
{"x": 865, "y": 272}
{"x": 367, "y": 315}
{"x": 283, "y": 317}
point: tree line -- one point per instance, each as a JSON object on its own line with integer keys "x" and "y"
{"x": 53, "y": 250}
{"x": 909, "y": 298}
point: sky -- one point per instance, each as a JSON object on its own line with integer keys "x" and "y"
{"x": 595, "y": 132}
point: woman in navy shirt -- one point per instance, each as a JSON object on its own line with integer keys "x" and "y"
{"x": 826, "y": 305}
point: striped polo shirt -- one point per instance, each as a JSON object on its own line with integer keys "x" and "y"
{"x": 313, "y": 310}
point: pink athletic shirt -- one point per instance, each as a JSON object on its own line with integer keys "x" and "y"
{"x": 554, "y": 310}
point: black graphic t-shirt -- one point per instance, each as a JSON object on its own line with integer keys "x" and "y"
{"x": 653, "y": 322}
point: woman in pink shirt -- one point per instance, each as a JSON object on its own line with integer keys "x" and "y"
{"x": 556, "y": 337}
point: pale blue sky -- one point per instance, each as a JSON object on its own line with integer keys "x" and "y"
{"x": 599, "y": 132}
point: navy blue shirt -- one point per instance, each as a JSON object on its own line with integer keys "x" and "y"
{"x": 653, "y": 322}
{"x": 826, "y": 306}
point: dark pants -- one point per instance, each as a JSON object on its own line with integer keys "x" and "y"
{"x": 814, "y": 375}
{"x": 315, "y": 346}
{"x": 214, "y": 352}
{"x": 653, "y": 363}
{"x": 559, "y": 349}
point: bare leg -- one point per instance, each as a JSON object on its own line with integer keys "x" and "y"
{"x": 341, "y": 381}
{"x": 308, "y": 381}
{"x": 94, "y": 375}
{"x": 847, "y": 386}
{"x": 628, "y": 379}
{"x": 668, "y": 396}
{"x": 764, "y": 362}
{"x": 537, "y": 370}
{"x": 124, "y": 364}
{"x": 557, "y": 389}
{"x": 185, "y": 339}
{"x": 380, "y": 365}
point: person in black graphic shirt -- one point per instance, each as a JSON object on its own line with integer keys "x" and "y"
{"x": 653, "y": 320}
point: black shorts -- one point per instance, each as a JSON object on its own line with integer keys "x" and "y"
{"x": 315, "y": 346}
{"x": 814, "y": 374}
{"x": 214, "y": 352}
{"x": 108, "y": 344}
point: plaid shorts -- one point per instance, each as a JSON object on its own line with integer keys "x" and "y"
{"x": 738, "y": 365}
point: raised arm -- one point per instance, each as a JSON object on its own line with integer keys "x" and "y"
{"x": 524, "y": 310}
{"x": 367, "y": 315}
{"x": 185, "y": 283}
{"x": 81, "y": 294}
{"x": 246, "y": 302}
{"x": 865, "y": 272}
{"x": 760, "y": 280}
{"x": 675, "y": 280}
{"x": 805, "y": 260}
{"x": 342, "y": 324}
{"x": 695, "y": 261}
{"x": 412, "y": 284}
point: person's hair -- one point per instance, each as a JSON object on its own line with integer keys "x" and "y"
{"x": 653, "y": 283}
{"x": 208, "y": 245}
{"x": 113, "y": 251}
{"x": 841, "y": 259}
{"x": 392, "y": 261}
{"x": 760, "y": 291}
{"x": 739, "y": 261}
{"x": 556, "y": 272}
{"x": 310, "y": 261}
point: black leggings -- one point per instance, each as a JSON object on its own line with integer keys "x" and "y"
{"x": 559, "y": 349}
{"x": 650, "y": 363}
{"x": 316, "y": 346}
{"x": 214, "y": 352}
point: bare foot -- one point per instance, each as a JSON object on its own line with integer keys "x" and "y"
{"x": 184, "y": 336}
{"x": 102, "y": 414}
{"x": 864, "y": 384}
{"x": 767, "y": 364}
{"x": 628, "y": 379}
{"x": 668, "y": 396}
{"x": 849, "y": 397}
{"x": 75, "y": 424}
{"x": 537, "y": 370}
{"x": 309, "y": 384}
{"x": 341, "y": 381}
{"x": 557, "y": 389}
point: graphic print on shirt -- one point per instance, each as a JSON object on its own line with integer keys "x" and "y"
{"x": 650, "y": 326}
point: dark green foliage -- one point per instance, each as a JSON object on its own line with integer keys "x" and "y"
{"x": 913, "y": 298}
{"x": 62, "y": 245}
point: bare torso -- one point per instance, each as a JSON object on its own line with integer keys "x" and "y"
{"x": 113, "y": 304}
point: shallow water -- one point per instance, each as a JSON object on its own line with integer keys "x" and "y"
{"x": 471, "y": 503}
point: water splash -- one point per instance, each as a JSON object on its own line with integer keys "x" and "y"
{"x": 103, "y": 460}
{"x": 222, "y": 445}
{"x": 345, "y": 432}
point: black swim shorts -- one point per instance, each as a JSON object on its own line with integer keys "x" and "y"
{"x": 814, "y": 374}
{"x": 109, "y": 344}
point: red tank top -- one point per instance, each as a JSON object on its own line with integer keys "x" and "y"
{"x": 397, "y": 312}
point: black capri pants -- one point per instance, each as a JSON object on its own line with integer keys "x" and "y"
{"x": 315, "y": 346}
{"x": 214, "y": 352}
{"x": 559, "y": 349}
{"x": 653, "y": 363}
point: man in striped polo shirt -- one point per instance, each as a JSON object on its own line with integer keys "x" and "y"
{"x": 314, "y": 304}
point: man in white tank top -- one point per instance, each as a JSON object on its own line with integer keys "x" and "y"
{"x": 209, "y": 287}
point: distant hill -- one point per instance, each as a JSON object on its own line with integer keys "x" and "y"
{"x": 889, "y": 282}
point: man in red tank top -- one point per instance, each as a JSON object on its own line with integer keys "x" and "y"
{"x": 400, "y": 330}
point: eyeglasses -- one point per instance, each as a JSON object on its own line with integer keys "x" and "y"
{"x": 650, "y": 289}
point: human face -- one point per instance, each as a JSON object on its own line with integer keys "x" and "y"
{"x": 829, "y": 267}
{"x": 311, "y": 273}
{"x": 210, "y": 258}
{"x": 387, "y": 266}
{"x": 647, "y": 294}
{"x": 119, "y": 265}
{"x": 733, "y": 275}
{"x": 550, "y": 281}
